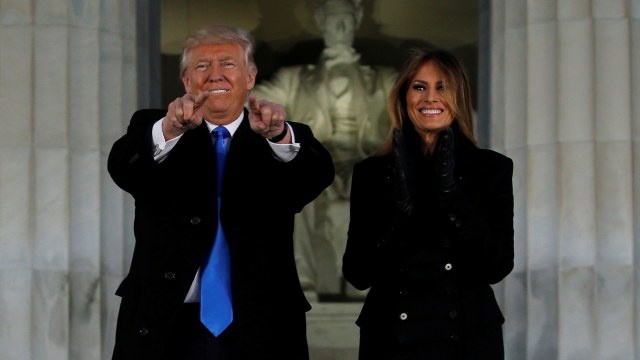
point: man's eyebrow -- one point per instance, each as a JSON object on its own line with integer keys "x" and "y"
{"x": 205, "y": 58}
{"x": 226, "y": 58}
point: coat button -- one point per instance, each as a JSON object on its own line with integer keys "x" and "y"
{"x": 452, "y": 216}
{"x": 454, "y": 337}
{"x": 403, "y": 292}
{"x": 403, "y": 316}
{"x": 195, "y": 220}
{"x": 453, "y": 314}
{"x": 458, "y": 223}
{"x": 451, "y": 290}
{"x": 446, "y": 243}
{"x": 169, "y": 275}
{"x": 143, "y": 331}
{"x": 448, "y": 266}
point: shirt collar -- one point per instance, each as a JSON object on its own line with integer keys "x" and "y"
{"x": 232, "y": 126}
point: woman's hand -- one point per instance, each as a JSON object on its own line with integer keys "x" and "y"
{"x": 444, "y": 161}
{"x": 402, "y": 174}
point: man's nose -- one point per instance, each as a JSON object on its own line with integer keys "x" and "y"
{"x": 215, "y": 73}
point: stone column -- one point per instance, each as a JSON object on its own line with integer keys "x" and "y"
{"x": 564, "y": 88}
{"x": 67, "y": 87}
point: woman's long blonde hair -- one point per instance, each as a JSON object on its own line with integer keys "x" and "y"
{"x": 456, "y": 85}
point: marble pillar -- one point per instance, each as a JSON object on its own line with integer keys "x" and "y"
{"x": 67, "y": 87}
{"x": 564, "y": 83}
{"x": 564, "y": 88}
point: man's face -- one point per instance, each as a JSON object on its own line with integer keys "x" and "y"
{"x": 220, "y": 70}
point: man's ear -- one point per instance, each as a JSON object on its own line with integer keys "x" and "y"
{"x": 186, "y": 82}
{"x": 251, "y": 78}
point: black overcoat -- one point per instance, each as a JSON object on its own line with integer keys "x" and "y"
{"x": 429, "y": 274}
{"x": 175, "y": 224}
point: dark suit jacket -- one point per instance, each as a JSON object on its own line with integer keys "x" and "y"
{"x": 175, "y": 224}
{"x": 429, "y": 275}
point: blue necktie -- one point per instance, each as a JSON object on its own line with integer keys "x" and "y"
{"x": 216, "y": 312}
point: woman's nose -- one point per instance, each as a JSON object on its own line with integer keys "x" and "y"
{"x": 430, "y": 96}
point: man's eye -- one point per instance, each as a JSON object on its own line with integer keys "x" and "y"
{"x": 227, "y": 64}
{"x": 202, "y": 66}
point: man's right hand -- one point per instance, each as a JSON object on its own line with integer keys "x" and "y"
{"x": 184, "y": 113}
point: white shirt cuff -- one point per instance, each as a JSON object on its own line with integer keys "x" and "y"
{"x": 286, "y": 152}
{"x": 161, "y": 147}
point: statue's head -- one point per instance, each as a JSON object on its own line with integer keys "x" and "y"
{"x": 338, "y": 21}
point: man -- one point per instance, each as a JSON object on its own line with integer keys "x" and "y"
{"x": 344, "y": 102}
{"x": 167, "y": 162}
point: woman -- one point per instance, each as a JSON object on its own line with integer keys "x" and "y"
{"x": 431, "y": 225}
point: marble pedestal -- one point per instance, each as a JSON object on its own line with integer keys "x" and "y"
{"x": 331, "y": 331}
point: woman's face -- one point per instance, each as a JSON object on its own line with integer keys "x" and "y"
{"x": 427, "y": 103}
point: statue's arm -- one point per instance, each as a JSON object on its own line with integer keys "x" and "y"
{"x": 281, "y": 87}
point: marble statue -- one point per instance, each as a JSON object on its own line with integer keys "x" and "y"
{"x": 344, "y": 102}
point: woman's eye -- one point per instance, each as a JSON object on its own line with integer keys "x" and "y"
{"x": 418, "y": 87}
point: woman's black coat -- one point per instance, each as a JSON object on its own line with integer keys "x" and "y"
{"x": 429, "y": 273}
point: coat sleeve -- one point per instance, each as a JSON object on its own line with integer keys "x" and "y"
{"x": 130, "y": 161}
{"x": 486, "y": 227}
{"x": 369, "y": 230}
{"x": 309, "y": 173}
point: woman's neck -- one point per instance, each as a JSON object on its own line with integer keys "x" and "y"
{"x": 429, "y": 141}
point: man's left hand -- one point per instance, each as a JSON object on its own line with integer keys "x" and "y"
{"x": 267, "y": 118}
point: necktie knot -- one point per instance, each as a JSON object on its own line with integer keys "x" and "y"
{"x": 220, "y": 133}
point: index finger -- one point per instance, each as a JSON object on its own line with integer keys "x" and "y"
{"x": 201, "y": 98}
{"x": 253, "y": 103}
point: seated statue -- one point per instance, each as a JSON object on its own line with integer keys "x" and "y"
{"x": 344, "y": 102}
